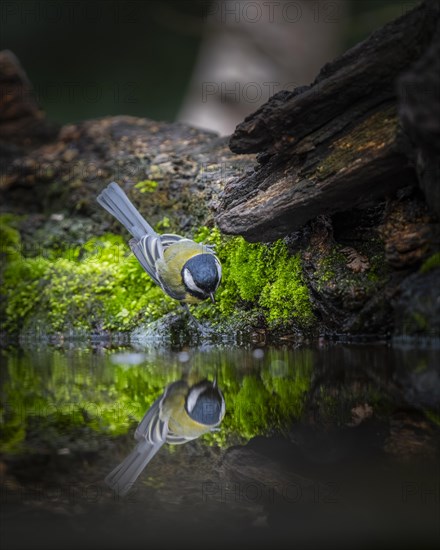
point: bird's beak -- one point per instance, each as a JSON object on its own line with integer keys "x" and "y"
{"x": 214, "y": 384}
{"x": 211, "y": 295}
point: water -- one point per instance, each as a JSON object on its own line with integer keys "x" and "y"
{"x": 331, "y": 445}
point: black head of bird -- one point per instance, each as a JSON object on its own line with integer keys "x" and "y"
{"x": 205, "y": 403}
{"x": 201, "y": 276}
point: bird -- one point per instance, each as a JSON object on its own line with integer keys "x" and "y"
{"x": 186, "y": 271}
{"x": 182, "y": 413}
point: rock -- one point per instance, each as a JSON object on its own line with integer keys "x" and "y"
{"x": 417, "y": 308}
{"x": 410, "y": 232}
{"x": 350, "y": 286}
{"x": 419, "y": 111}
{"x": 64, "y": 177}
{"x": 410, "y": 437}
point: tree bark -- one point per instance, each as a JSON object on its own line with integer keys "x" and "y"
{"x": 332, "y": 146}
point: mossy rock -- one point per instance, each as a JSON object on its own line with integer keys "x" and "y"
{"x": 99, "y": 287}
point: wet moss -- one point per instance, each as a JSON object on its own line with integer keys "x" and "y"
{"x": 334, "y": 275}
{"x": 260, "y": 277}
{"x": 9, "y": 236}
{"x": 146, "y": 186}
{"x": 100, "y": 286}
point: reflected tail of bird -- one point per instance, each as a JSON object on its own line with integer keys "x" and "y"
{"x": 116, "y": 202}
{"x": 122, "y": 478}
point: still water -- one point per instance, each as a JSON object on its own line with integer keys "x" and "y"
{"x": 324, "y": 446}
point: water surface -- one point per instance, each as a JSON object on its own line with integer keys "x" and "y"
{"x": 331, "y": 445}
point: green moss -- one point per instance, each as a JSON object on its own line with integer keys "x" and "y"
{"x": 328, "y": 267}
{"x": 433, "y": 416}
{"x": 163, "y": 225}
{"x": 10, "y": 241}
{"x": 146, "y": 186}
{"x": 96, "y": 286}
{"x": 260, "y": 276}
{"x": 101, "y": 286}
{"x": 333, "y": 274}
{"x": 419, "y": 321}
{"x": 431, "y": 263}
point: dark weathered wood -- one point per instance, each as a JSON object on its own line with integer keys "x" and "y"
{"x": 332, "y": 146}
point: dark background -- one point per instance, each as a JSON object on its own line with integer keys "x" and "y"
{"x": 88, "y": 59}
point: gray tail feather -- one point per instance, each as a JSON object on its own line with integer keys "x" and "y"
{"x": 116, "y": 202}
{"x": 122, "y": 478}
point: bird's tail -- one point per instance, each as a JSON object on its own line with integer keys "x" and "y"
{"x": 122, "y": 478}
{"x": 116, "y": 202}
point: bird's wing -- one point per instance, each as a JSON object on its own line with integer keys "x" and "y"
{"x": 153, "y": 427}
{"x": 150, "y": 248}
{"x": 151, "y": 435}
{"x": 170, "y": 238}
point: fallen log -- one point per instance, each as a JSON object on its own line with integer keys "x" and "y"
{"x": 337, "y": 144}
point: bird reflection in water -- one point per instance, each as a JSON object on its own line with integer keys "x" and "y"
{"x": 182, "y": 413}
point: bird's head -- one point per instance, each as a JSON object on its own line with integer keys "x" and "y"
{"x": 201, "y": 276}
{"x": 205, "y": 403}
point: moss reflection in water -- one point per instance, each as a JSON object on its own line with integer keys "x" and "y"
{"x": 56, "y": 392}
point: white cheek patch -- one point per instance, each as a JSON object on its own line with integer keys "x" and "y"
{"x": 219, "y": 272}
{"x": 223, "y": 409}
{"x": 189, "y": 281}
{"x": 192, "y": 398}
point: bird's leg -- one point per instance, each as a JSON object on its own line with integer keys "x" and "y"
{"x": 192, "y": 318}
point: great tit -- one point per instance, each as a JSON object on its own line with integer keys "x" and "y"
{"x": 180, "y": 414}
{"x": 185, "y": 270}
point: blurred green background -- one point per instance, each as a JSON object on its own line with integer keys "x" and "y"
{"x": 88, "y": 59}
